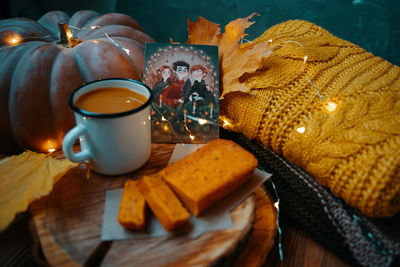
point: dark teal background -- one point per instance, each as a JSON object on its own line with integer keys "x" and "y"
{"x": 372, "y": 24}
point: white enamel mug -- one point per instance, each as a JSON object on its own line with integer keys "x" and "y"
{"x": 115, "y": 143}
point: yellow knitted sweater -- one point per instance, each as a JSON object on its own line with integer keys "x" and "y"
{"x": 349, "y": 139}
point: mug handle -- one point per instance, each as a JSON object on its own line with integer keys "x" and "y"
{"x": 68, "y": 143}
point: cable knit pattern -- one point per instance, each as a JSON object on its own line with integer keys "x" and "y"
{"x": 354, "y": 150}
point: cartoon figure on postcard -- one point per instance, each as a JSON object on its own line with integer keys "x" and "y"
{"x": 184, "y": 80}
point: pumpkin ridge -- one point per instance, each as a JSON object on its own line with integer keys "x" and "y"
{"x": 115, "y": 19}
{"x": 64, "y": 68}
{"x": 77, "y": 18}
{"x": 23, "y": 31}
{"x": 30, "y": 80}
{"x": 50, "y": 20}
{"x": 12, "y": 56}
{"x": 85, "y": 29}
{"x": 116, "y": 31}
{"x": 135, "y": 55}
{"x": 23, "y": 23}
{"x": 80, "y": 63}
{"x": 101, "y": 52}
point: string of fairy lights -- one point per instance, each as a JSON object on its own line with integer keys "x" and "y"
{"x": 329, "y": 105}
{"x": 276, "y": 205}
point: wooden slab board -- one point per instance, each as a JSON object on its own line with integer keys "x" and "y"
{"x": 68, "y": 225}
{"x": 208, "y": 249}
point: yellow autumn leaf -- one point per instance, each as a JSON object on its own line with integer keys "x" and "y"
{"x": 235, "y": 60}
{"x": 24, "y": 178}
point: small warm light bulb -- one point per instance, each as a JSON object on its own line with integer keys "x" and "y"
{"x": 276, "y": 204}
{"x": 126, "y": 51}
{"x": 166, "y": 128}
{"x": 191, "y": 137}
{"x": 69, "y": 35}
{"x": 226, "y": 123}
{"x": 13, "y": 39}
{"x": 49, "y": 146}
{"x": 163, "y": 119}
{"x": 202, "y": 121}
{"x": 301, "y": 130}
{"x": 330, "y": 106}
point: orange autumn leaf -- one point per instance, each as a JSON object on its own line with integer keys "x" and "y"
{"x": 203, "y": 32}
{"x": 234, "y": 59}
{"x": 234, "y": 33}
{"x": 24, "y": 178}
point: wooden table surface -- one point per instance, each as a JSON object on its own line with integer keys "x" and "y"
{"x": 68, "y": 224}
{"x": 298, "y": 249}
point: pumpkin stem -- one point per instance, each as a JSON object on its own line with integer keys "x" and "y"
{"x": 66, "y": 37}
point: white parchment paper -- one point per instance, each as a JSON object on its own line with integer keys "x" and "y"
{"x": 216, "y": 217}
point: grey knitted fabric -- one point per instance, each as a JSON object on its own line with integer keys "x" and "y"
{"x": 357, "y": 239}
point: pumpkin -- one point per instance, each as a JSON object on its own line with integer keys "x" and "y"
{"x": 43, "y": 62}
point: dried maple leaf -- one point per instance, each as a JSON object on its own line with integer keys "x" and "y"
{"x": 234, "y": 59}
{"x": 203, "y": 32}
{"x": 27, "y": 177}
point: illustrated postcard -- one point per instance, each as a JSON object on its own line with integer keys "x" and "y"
{"x": 185, "y": 83}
